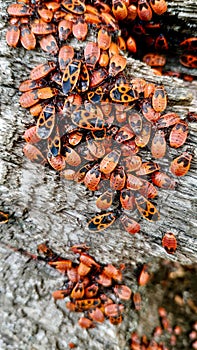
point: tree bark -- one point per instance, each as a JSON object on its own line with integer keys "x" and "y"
{"x": 45, "y": 207}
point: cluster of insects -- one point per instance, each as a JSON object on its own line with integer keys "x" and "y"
{"x": 95, "y": 137}
{"x": 156, "y": 343}
{"x": 92, "y": 124}
{"x": 93, "y": 288}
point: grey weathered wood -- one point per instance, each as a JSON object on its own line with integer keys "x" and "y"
{"x": 45, "y": 207}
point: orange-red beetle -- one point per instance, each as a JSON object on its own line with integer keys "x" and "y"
{"x": 169, "y": 242}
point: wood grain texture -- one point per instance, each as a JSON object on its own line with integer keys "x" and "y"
{"x": 45, "y": 207}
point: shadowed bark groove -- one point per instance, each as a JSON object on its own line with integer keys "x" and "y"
{"x": 45, "y": 207}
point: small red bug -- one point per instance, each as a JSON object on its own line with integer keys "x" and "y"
{"x": 159, "y": 6}
{"x": 34, "y": 154}
{"x": 31, "y": 136}
{"x": 169, "y": 242}
{"x": 39, "y": 27}
{"x": 132, "y": 12}
{"x": 154, "y": 60}
{"x": 29, "y": 84}
{"x": 147, "y": 168}
{"x": 42, "y": 70}
{"x": 162, "y": 180}
{"x": 80, "y": 29}
{"x": 181, "y": 165}
{"x": 135, "y": 121}
{"x": 149, "y": 112}
{"x": 148, "y": 190}
{"x": 189, "y": 44}
{"x": 111, "y": 271}
{"x": 144, "y": 276}
{"x": 133, "y": 182}
{"x": 122, "y": 291}
{"x": 91, "y": 291}
{"x": 144, "y": 10}
{"x": 161, "y": 43}
{"x": 137, "y": 300}
{"x": 117, "y": 64}
{"x": 130, "y": 225}
{"x": 189, "y": 61}
{"x": 96, "y": 315}
{"x": 97, "y": 77}
{"x": 71, "y": 156}
{"x": 64, "y": 29}
{"x": 13, "y": 35}
{"x": 117, "y": 179}
{"x": 92, "y": 178}
{"x": 65, "y": 56}
{"x": 110, "y": 161}
{"x": 56, "y": 162}
{"x": 127, "y": 199}
{"x": 45, "y": 14}
{"x": 75, "y": 6}
{"x": 19, "y": 10}
{"x": 159, "y": 99}
{"x": 85, "y": 322}
{"x": 46, "y": 121}
{"x": 105, "y": 200}
{"x": 49, "y": 44}
{"x": 178, "y": 134}
{"x": 167, "y": 120}
{"x": 104, "y": 39}
{"x": 101, "y": 222}
{"x": 28, "y": 39}
{"x": 104, "y": 59}
{"x": 29, "y": 98}
{"x": 71, "y": 75}
{"x": 114, "y": 309}
{"x": 142, "y": 139}
{"x": 146, "y": 208}
{"x": 158, "y": 146}
{"x": 119, "y": 9}
{"x": 132, "y": 163}
{"x": 91, "y": 54}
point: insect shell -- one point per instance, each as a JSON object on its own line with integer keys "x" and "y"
{"x": 101, "y": 222}
{"x": 169, "y": 242}
{"x": 181, "y": 165}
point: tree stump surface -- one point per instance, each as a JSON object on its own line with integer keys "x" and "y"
{"x": 47, "y": 208}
